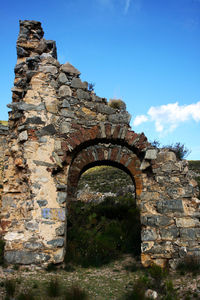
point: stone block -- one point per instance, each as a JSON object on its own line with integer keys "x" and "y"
{"x": 169, "y": 233}
{"x": 151, "y": 154}
{"x": 53, "y": 213}
{"x": 64, "y": 91}
{"x": 68, "y": 68}
{"x": 61, "y": 197}
{"x": 56, "y": 242}
{"x": 25, "y": 257}
{"x": 148, "y": 234}
{"x": 170, "y": 206}
{"x": 60, "y": 230}
{"x": 23, "y": 136}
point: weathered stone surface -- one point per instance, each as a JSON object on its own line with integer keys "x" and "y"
{"x": 68, "y": 68}
{"x": 78, "y": 84}
{"x": 25, "y": 257}
{"x": 148, "y": 235}
{"x": 151, "y": 154}
{"x": 56, "y": 243}
{"x": 168, "y": 206}
{"x": 62, "y": 78}
{"x": 64, "y": 91}
{"x": 23, "y": 136}
{"x": 60, "y": 230}
{"x": 61, "y": 197}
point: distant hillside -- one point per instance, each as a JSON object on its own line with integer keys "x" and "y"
{"x": 5, "y": 123}
{"x": 99, "y": 182}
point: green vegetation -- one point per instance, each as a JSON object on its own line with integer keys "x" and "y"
{"x": 99, "y": 233}
{"x": 117, "y": 104}
{"x": 190, "y": 264}
{"x": 105, "y": 179}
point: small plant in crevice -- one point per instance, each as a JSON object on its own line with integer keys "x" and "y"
{"x": 91, "y": 86}
{"x": 53, "y": 288}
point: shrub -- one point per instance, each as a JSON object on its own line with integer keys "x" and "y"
{"x": 189, "y": 264}
{"x": 25, "y": 295}
{"x": 10, "y": 287}
{"x": 138, "y": 292}
{"x": 117, "y": 104}
{"x": 91, "y": 86}
{"x": 54, "y": 288}
{"x": 76, "y": 293}
{"x": 179, "y": 149}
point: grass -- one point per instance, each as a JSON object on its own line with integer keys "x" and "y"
{"x": 112, "y": 281}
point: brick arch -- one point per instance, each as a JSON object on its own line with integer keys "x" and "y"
{"x": 117, "y": 155}
{"x": 106, "y": 132}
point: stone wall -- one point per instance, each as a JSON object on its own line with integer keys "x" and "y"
{"x": 3, "y": 146}
{"x": 58, "y": 129}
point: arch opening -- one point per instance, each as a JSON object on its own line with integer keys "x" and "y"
{"x": 103, "y": 219}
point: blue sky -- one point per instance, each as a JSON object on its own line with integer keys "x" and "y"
{"x": 146, "y": 52}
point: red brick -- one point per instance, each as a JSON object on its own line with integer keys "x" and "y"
{"x": 100, "y": 153}
{"x": 4, "y": 224}
{"x": 108, "y": 131}
{"x": 32, "y": 135}
{"x": 141, "y": 141}
{"x": 131, "y": 136}
{"x": 114, "y": 153}
{"x": 64, "y": 146}
{"x": 93, "y": 132}
{"x": 116, "y": 131}
{"x": 124, "y": 159}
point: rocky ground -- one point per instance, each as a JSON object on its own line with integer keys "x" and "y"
{"x": 117, "y": 280}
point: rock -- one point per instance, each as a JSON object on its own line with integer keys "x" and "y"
{"x": 61, "y": 197}
{"x": 32, "y": 226}
{"x": 56, "y": 242}
{"x": 77, "y": 83}
{"x": 23, "y": 136}
{"x": 48, "y": 69}
{"x": 25, "y": 257}
{"x": 62, "y": 78}
{"x": 64, "y": 91}
{"x": 68, "y": 68}
{"x": 151, "y": 154}
{"x": 148, "y": 235}
{"x": 60, "y": 230}
{"x": 42, "y": 203}
{"x": 167, "y": 206}
{"x": 151, "y": 294}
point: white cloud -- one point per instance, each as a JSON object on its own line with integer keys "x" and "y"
{"x": 140, "y": 119}
{"x": 127, "y": 5}
{"x": 168, "y": 117}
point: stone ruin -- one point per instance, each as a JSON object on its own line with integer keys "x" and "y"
{"x": 59, "y": 128}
